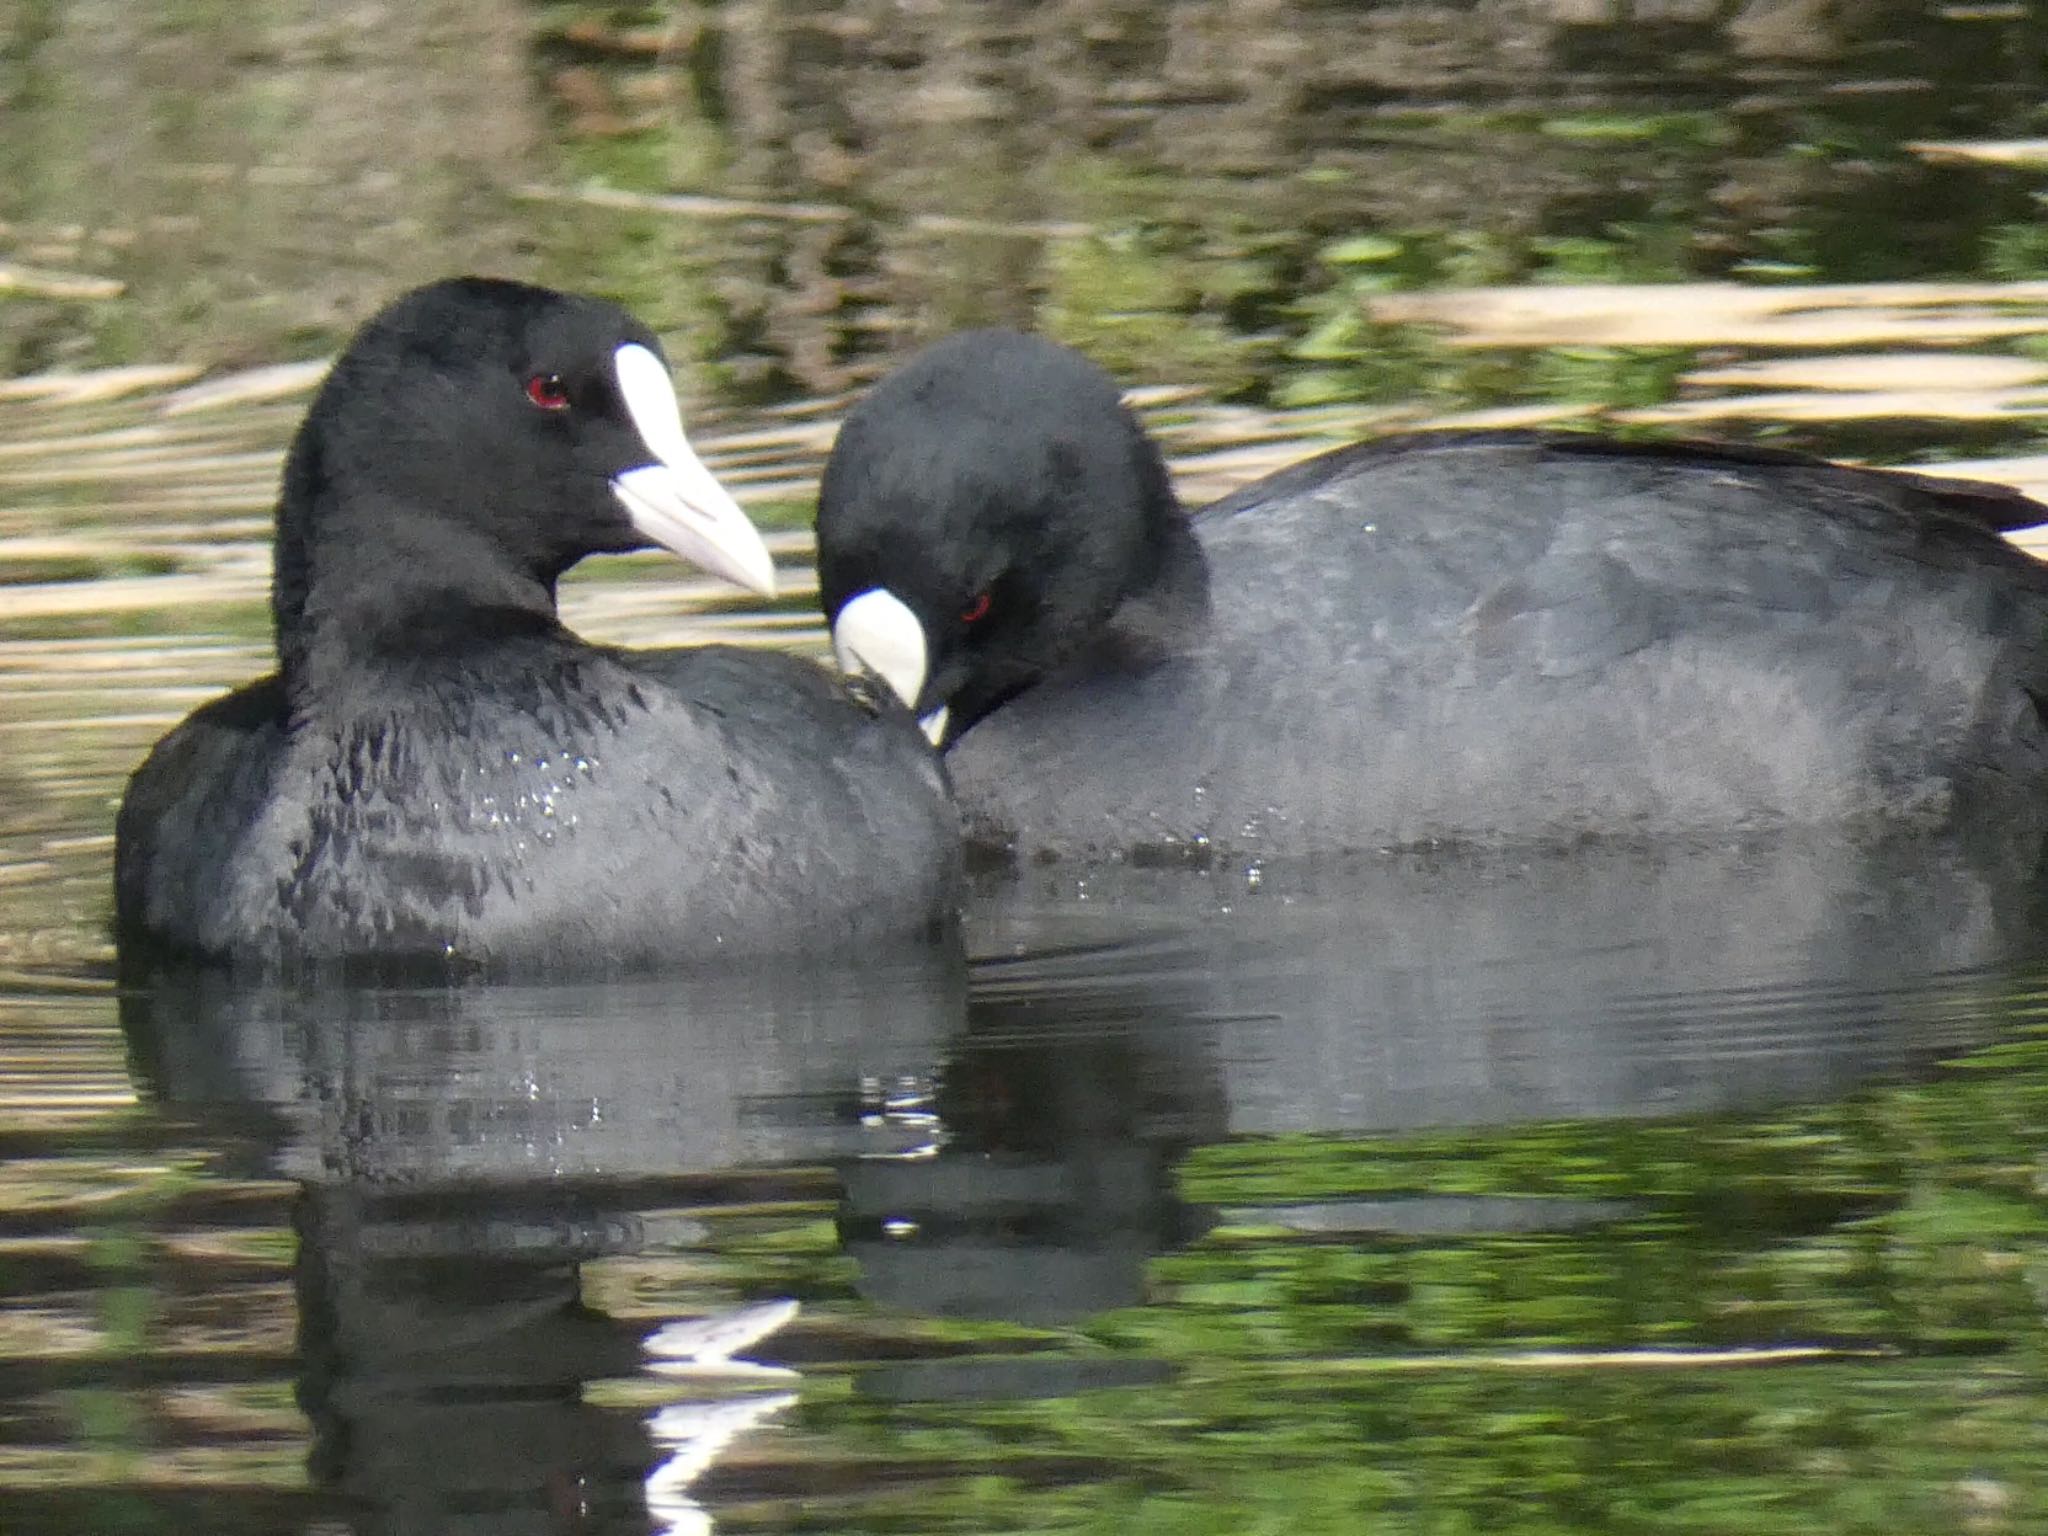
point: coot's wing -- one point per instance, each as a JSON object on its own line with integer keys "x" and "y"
{"x": 1514, "y": 636}
{"x": 2000, "y": 508}
{"x": 185, "y": 810}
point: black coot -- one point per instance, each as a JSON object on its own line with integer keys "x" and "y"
{"x": 1493, "y": 638}
{"x": 439, "y": 770}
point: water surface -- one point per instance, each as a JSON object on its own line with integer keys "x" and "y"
{"x": 1696, "y": 1189}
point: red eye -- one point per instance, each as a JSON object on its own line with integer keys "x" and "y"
{"x": 547, "y": 391}
{"x": 977, "y": 610}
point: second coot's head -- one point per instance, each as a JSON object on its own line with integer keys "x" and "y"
{"x": 985, "y": 510}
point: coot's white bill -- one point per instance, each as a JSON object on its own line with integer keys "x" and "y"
{"x": 675, "y": 501}
{"x": 877, "y": 635}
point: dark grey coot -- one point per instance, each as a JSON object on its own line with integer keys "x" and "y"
{"x": 440, "y": 771}
{"x": 1492, "y": 638}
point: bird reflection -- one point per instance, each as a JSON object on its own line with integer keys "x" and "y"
{"x": 465, "y": 1156}
{"x": 1441, "y": 989}
{"x": 506, "y": 1193}
{"x": 1058, "y": 1115}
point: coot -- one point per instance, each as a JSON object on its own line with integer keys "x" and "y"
{"x": 1478, "y": 637}
{"x": 439, "y": 770}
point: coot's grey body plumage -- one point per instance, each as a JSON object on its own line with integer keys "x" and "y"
{"x": 1488, "y": 638}
{"x": 613, "y": 810}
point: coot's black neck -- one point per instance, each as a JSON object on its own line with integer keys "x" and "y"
{"x": 1179, "y": 582}
{"x": 360, "y": 584}
{"x": 1166, "y": 601}
{"x": 1166, "y": 609}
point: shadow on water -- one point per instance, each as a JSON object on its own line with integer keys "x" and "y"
{"x": 552, "y": 1241}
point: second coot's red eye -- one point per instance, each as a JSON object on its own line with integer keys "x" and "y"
{"x": 977, "y": 610}
{"x": 547, "y": 391}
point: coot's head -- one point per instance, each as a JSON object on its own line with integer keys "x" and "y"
{"x": 985, "y": 510}
{"x": 476, "y": 439}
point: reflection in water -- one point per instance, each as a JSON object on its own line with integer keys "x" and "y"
{"x": 465, "y": 1153}
{"x": 1153, "y": 180}
{"x": 602, "y": 1081}
{"x": 471, "y": 1160}
{"x": 259, "y": 171}
{"x": 1387, "y": 995}
{"x": 441, "y": 1364}
{"x": 1053, "y": 1185}
{"x": 444, "y": 1355}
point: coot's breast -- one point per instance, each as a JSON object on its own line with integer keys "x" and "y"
{"x": 547, "y": 809}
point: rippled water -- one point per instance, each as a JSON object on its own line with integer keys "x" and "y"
{"x": 1694, "y": 1189}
